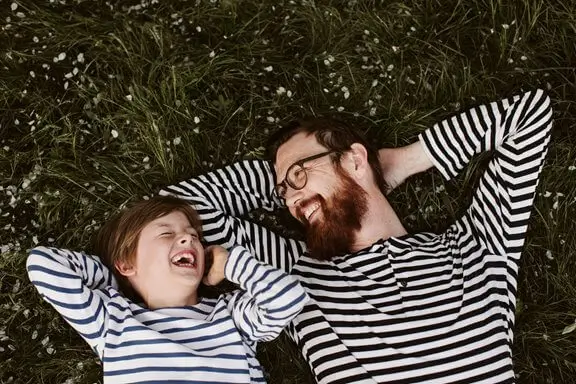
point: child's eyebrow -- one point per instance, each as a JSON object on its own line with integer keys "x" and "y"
{"x": 164, "y": 225}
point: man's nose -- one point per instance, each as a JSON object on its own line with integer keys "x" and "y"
{"x": 292, "y": 196}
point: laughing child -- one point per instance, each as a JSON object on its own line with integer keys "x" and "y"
{"x": 146, "y": 320}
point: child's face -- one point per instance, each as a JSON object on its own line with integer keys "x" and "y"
{"x": 169, "y": 259}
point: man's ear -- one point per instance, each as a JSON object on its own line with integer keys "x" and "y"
{"x": 359, "y": 158}
{"x": 125, "y": 269}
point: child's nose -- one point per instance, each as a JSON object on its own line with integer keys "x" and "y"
{"x": 185, "y": 238}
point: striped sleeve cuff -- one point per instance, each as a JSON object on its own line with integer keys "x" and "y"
{"x": 236, "y": 263}
{"x": 428, "y": 143}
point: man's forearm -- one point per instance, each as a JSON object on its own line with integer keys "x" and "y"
{"x": 398, "y": 164}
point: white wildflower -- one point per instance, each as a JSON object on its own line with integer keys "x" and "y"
{"x": 114, "y": 133}
{"x": 61, "y": 56}
{"x": 80, "y": 58}
{"x": 340, "y": 109}
{"x": 35, "y": 39}
{"x": 374, "y": 83}
{"x": 505, "y": 26}
{"x": 270, "y": 119}
{"x": 570, "y": 328}
{"x": 268, "y": 68}
{"x": 129, "y": 97}
{"x": 198, "y": 29}
{"x": 196, "y": 119}
{"x": 177, "y": 140}
{"x": 196, "y": 130}
{"x": 32, "y": 74}
{"x": 16, "y": 287}
{"x": 281, "y": 90}
{"x": 212, "y": 54}
{"x": 346, "y": 92}
{"x": 572, "y": 168}
{"x": 549, "y": 255}
{"x": 14, "y": 6}
{"x": 390, "y": 67}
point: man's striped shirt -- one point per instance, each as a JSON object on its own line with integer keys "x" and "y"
{"x": 212, "y": 342}
{"x": 422, "y": 308}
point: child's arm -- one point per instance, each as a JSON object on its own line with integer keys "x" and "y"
{"x": 72, "y": 283}
{"x": 268, "y": 300}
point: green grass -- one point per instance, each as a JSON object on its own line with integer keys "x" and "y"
{"x": 161, "y": 92}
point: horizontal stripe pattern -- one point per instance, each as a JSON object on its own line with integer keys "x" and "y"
{"x": 423, "y": 308}
{"x": 211, "y": 342}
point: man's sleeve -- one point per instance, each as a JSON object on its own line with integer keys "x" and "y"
{"x": 268, "y": 299}
{"x": 517, "y": 129}
{"x": 221, "y": 197}
{"x": 73, "y": 283}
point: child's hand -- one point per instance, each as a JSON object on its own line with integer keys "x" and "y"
{"x": 218, "y": 255}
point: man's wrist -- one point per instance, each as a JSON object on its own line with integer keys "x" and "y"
{"x": 414, "y": 159}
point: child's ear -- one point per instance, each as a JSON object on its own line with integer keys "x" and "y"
{"x": 125, "y": 269}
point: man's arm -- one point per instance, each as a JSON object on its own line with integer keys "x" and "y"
{"x": 222, "y": 196}
{"x": 268, "y": 300}
{"x": 517, "y": 129}
{"x": 72, "y": 283}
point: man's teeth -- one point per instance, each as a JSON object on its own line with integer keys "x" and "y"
{"x": 310, "y": 210}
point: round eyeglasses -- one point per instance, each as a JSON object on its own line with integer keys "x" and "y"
{"x": 296, "y": 176}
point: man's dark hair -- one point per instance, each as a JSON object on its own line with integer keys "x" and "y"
{"x": 333, "y": 134}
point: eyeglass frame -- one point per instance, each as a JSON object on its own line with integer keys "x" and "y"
{"x": 300, "y": 163}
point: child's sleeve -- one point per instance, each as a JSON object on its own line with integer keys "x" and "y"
{"x": 268, "y": 300}
{"x": 73, "y": 283}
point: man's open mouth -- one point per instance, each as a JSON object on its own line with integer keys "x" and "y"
{"x": 184, "y": 259}
{"x": 307, "y": 211}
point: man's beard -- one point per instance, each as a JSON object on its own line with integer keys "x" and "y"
{"x": 341, "y": 218}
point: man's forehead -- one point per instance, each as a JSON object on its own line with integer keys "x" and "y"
{"x": 299, "y": 146}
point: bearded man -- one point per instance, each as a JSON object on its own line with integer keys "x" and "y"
{"x": 387, "y": 306}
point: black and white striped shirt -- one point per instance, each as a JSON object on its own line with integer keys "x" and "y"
{"x": 421, "y": 308}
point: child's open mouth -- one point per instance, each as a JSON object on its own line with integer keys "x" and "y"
{"x": 184, "y": 260}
